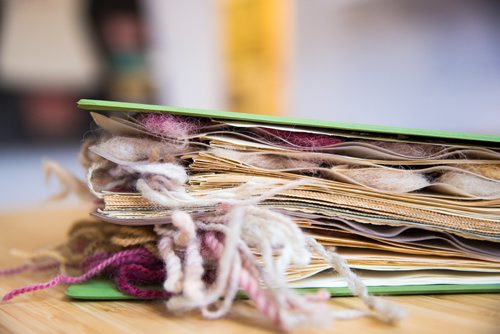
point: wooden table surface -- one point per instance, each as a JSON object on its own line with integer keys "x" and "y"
{"x": 51, "y": 311}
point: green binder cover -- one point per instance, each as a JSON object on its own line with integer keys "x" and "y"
{"x": 96, "y": 105}
{"x": 101, "y": 289}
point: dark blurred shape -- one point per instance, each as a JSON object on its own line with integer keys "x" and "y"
{"x": 49, "y": 114}
{"x": 11, "y": 129}
{"x": 48, "y": 62}
{"x": 121, "y": 33}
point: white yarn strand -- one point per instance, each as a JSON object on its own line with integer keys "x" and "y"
{"x": 384, "y": 310}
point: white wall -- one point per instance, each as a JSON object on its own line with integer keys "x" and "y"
{"x": 425, "y": 64}
{"x": 187, "y": 52}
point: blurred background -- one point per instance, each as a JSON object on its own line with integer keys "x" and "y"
{"x": 431, "y": 64}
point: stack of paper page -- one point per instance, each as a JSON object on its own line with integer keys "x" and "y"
{"x": 404, "y": 207}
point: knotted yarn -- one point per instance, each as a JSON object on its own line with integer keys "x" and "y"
{"x": 243, "y": 227}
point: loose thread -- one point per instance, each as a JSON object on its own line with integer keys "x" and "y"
{"x": 16, "y": 270}
{"x": 384, "y": 310}
{"x": 115, "y": 259}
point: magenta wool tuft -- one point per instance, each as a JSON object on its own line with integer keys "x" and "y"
{"x": 303, "y": 139}
{"x": 170, "y": 125}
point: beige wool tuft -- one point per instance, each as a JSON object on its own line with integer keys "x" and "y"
{"x": 401, "y": 181}
{"x": 471, "y": 184}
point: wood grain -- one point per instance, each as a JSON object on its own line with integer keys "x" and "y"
{"x": 51, "y": 312}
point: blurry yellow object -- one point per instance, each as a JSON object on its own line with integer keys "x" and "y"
{"x": 256, "y": 36}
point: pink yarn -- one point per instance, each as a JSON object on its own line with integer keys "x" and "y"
{"x": 170, "y": 125}
{"x": 140, "y": 269}
{"x": 248, "y": 283}
{"x": 29, "y": 266}
{"x": 16, "y": 270}
{"x": 114, "y": 260}
{"x": 131, "y": 274}
{"x": 262, "y": 300}
{"x": 94, "y": 260}
{"x": 142, "y": 256}
{"x": 46, "y": 266}
{"x": 302, "y": 139}
{"x": 212, "y": 247}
